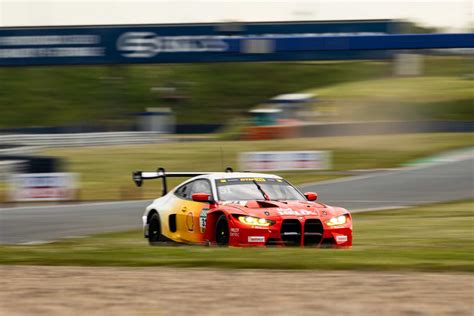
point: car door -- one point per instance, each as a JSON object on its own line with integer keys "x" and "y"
{"x": 189, "y": 225}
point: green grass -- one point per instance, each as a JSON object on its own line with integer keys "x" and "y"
{"x": 106, "y": 171}
{"x": 398, "y": 98}
{"x": 429, "y": 238}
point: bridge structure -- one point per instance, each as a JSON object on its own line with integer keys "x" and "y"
{"x": 218, "y": 42}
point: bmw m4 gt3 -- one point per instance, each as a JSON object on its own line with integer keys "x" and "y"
{"x": 241, "y": 209}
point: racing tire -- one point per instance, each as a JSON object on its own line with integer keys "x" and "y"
{"x": 222, "y": 231}
{"x": 154, "y": 230}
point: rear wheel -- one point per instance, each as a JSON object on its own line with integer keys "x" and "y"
{"x": 154, "y": 230}
{"x": 222, "y": 231}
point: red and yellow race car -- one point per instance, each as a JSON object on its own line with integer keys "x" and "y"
{"x": 241, "y": 209}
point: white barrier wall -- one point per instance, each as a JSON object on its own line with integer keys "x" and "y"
{"x": 285, "y": 160}
{"x": 29, "y": 187}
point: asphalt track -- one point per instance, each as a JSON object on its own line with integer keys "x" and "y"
{"x": 446, "y": 180}
{"x": 432, "y": 183}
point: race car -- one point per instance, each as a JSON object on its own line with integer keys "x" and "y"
{"x": 241, "y": 209}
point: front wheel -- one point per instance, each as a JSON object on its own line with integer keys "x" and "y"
{"x": 222, "y": 231}
{"x": 154, "y": 230}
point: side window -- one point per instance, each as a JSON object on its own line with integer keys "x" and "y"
{"x": 187, "y": 190}
{"x": 183, "y": 191}
{"x": 200, "y": 186}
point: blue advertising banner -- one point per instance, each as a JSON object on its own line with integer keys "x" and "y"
{"x": 213, "y": 43}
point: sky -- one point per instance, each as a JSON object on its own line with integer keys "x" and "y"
{"x": 450, "y": 15}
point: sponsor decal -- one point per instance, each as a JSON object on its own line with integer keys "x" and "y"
{"x": 341, "y": 238}
{"x": 190, "y": 221}
{"x": 149, "y": 44}
{"x": 50, "y": 46}
{"x": 202, "y": 219}
{"x": 234, "y": 232}
{"x": 256, "y": 239}
{"x": 252, "y": 179}
{"x": 296, "y": 213}
{"x": 242, "y": 203}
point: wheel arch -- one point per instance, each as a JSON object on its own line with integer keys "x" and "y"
{"x": 150, "y": 214}
{"x": 211, "y": 221}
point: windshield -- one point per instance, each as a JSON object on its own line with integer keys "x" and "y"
{"x": 244, "y": 189}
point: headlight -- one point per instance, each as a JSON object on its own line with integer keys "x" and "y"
{"x": 338, "y": 220}
{"x": 256, "y": 221}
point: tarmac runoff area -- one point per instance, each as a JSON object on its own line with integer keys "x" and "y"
{"x": 30, "y": 290}
{"x": 446, "y": 177}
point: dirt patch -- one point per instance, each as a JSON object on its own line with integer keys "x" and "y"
{"x": 27, "y": 290}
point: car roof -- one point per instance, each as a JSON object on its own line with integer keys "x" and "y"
{"x": 228, "y": 175}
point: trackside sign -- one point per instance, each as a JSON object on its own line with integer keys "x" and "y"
{"x": 43, "y": 187}
{"x": 285, "y": 160}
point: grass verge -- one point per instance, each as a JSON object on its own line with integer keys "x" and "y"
{"x": 107, "y": 95}
{"x": 106, "y": 171}
{"x": 429, "y": 238}
{"x": 398, "y": 98}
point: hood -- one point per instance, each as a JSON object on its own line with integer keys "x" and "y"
{"x": 284, "y": 209}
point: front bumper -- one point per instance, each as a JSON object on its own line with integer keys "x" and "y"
{"x": 291, "y": 231}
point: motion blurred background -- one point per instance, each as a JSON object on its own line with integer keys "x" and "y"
{"x": 175, "y": 98}
{"x": 93, "y": 90}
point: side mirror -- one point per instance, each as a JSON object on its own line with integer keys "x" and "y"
{"x": 202, "y": 197}
{"x": 311, "y": 196}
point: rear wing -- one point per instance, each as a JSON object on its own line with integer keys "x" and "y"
{"x": 139, "y": 176}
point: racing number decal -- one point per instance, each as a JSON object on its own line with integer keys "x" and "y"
{"x": 202, "y": 219}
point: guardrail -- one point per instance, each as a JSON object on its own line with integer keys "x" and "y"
{"x": 83, "y": 139}
{"x": 19, "y": 150}
{"x": 9, "y": 167}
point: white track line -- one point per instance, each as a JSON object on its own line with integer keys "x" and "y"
{"x": 34, "y": 242}
{"x": 376, "y": 209}
{"x": 70, "y": 205}
{"x": 351, "y": 178}
{"x": 375, "y": 201}
{"x": 468, "y": 154}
